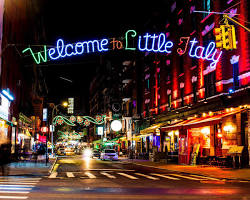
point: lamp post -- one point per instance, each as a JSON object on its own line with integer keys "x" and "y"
{"x": 63, "y": 104}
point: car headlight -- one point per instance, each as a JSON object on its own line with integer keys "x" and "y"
{"x": 87, "y": 153}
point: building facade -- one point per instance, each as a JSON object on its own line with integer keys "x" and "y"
{"x": 21, "y": 26}
{"x": 182, "y": 88}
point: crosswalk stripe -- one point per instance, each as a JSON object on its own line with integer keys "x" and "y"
{"x": 187, "y": 177}
{"x": 53, "y": 175}
{"x": 205, "y": 177}
{"x": 165, "y": 176}
{"x": 14, "y": 188}
{"x": 90, "y": 175}
{"x": 25, "y": 186}
{"x": 14, "y": 178}
{"x": 107, "y": 174}
{"x": 70, "y": 174}
{"x": 147, "y": 176}
{"x": 19, "y": 192}
{"x": 128, "y": 176}
{"x": 13, "y": 197}
{"x": 20, "y": 183}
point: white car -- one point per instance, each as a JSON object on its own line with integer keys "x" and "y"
{"x": 109, "y": 154}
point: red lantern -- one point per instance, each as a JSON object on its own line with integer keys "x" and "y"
{"x": 44, "y": 129}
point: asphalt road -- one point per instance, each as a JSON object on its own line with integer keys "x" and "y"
{"x": 78, "y": 178}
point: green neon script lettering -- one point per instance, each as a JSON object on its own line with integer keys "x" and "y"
{"x": 39, "y": 55}
{"x": 133, "y": 34}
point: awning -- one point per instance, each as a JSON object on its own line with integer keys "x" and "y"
{"x": 152, "y": 128}
{"x": 97, "y": 141}
{"x": 115, "y": 139}
{"x": 7, "y": 121}
{"x": 199, "y": 122}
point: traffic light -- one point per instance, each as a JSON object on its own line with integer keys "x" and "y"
{"x": 218, "y": 37}
{"x": 233, "y": 39}
{"x": 226, "y": 38}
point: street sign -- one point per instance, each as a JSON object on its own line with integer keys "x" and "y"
{"x": 51, "y": 128}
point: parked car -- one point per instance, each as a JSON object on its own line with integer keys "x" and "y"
{"x": 69, "y": 151}
{"x": 96, "y": 154}
{"x": 109, "y": 154}
{"x": 60, "y": 151}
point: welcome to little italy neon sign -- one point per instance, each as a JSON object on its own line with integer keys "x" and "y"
{"x": 157, "y": 43}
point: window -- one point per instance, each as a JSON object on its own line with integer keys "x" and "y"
{"x": 210, "y": 88}
{"x": 169, "y": 100}
{"x": 182, "y": 97}
{"x": 194, "y": 91}
{"x": 159, "y": 79}
{"x": 181, "y": 63}
{"x": 194, "y": 62}
{"x": 147, "y": 85}
{"x": 236, "y": 75}
{"x": 207, "y": 7}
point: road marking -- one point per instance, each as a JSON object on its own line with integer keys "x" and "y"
{"x": 90, "y": 175}
{"x": 19, "y": 179}
{"x": 12, "y": 192}
{"x": 17, "y": 185}
{"x": 55, "y": 167}
{"x": 125, "y": 170}
{"x": 187, "y": 177}
{"x": 107, "y": 174}
{"x": 21, "y": 183}
{"x": 12, "y": 197}
{"x": 128, "y": 176}
{"x": 165, "y": 176}
{"x": 147, "y": 176}
{"x": 205, "y": 177}
{"x": 70, "y": 174}
{"x": 53, "y": 175}
{"x": 14, "y": 188}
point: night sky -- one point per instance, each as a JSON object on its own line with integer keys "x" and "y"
{"x": 80, "y": 20}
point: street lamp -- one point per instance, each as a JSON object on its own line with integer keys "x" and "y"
{"x": 63, "y": 104}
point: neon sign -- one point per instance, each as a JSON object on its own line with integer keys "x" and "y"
{"x": 61, "y": 50}
{"x": 157, "y": 43}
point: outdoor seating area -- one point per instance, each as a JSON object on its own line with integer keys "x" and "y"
{"x": 224, "y": 162}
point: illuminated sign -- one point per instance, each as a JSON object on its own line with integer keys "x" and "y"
{"x": 44, "y": 129}
{"x": 99, "y": 130}
{"x": 157, "y": 43}
{"x": 70, "y": 105}
{"x": 45, "y": 114}
{"x": 4, "y": 107}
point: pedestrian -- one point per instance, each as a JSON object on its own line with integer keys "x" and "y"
{"x": 4, "y": 158}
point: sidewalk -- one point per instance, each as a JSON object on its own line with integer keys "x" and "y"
{"x": 216, "y": 172}
{"x": 30, "y": 168}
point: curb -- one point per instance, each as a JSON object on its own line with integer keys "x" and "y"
{"x": 129, "y": 162}
{"x": 52, "y": 166}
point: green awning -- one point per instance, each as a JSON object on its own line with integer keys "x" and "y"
{"x": 7, "y": 122}
{"x": 115, "y": 139}
{"x": 97, "y": 141}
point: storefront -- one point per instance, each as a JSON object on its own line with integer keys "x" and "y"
{"x": 24, "y": 136}
{"x": 5, "y": 124}
{"x": 212, "y": 135}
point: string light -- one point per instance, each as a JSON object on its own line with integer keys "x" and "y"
{"x": 82, "y": 120}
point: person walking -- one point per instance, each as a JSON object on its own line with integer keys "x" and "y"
{"x": 4, "y": 158}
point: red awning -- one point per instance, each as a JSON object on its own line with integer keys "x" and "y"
{"x": 199, "y": 122}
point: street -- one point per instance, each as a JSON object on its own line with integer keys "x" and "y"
{"x": 78, "y": 178}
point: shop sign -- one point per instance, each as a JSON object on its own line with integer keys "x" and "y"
{"x": 4, "y": 108}
{"x": 70, "y": 105}
{"x": 44, "y": 129}
{"x": 45, "y": 114}
{"x": 99, "y": 130}
{"x": 156, "y": 42}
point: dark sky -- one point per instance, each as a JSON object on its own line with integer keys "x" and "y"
{"x": 80, "y": 20}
